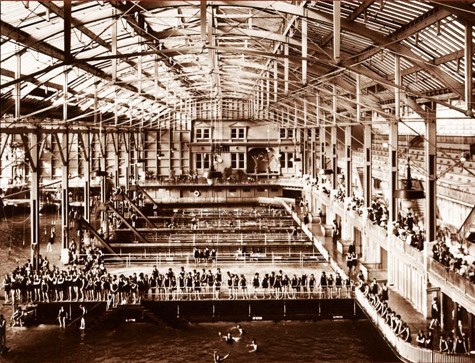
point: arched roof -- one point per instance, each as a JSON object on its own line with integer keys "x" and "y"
{"x": 126, "y": 61}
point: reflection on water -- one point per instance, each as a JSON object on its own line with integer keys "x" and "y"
{"x": 335, "y": 341}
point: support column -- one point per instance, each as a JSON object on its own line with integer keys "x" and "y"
{"x": 431, "y": 206}
{"x": 64, "y": 151}
{"x": 103, "y": 176}
{"x": 334, "y": 155}
{"x": 304, "y": 48}
{"x": 87, "y": 174}
{"x": 393, "y": 161}
{"x": 128, "y": 161}
{"x": 34, "y": 198}
{"x": 322, "y": 135}
{"x": 286, "y": 67}
{"x": 336, "y": 30}
{"x": 348, "y": 174}
{"x": 367, "y": 140}
{"x": 346, "y": 228}
{"x": 468, "y": 57}
{"x": 116, "y": 158}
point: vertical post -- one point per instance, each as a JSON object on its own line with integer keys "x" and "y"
{"x": 34, "y": 199}
{"x": 431, "y": 206}
{"x": 393, "y": 160}
{"x": 347, "y": 228}
{"x": 67, "y": 31}
{"x": 17, "y": 88}
{"x": 348, "y": 174}
{"x": 367, "y": 139}
{"x": 431, "y": 166}
{"x": 203, "y": 20}
{"x": 304, "y": 47}
{"x": 286, "y": 67}
{"x": 393, "y": 140}
{"x": 336, "y": 30}
{"x": 468, "y": 57}
{"x": 64, "y": 150}
{"x": 322, "y": 134}
{"x": 87, "y": 175}
{"x": 103, "y": 168}
{"x": 334, "y": 139}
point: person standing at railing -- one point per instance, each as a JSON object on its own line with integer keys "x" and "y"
{"x": 443, "y": 346}
{"x": 330, "y": 283}
{"x": 405, "y": 333}
{"x": 323, "y": 285}
{"x": 335, "y": 231}
{"x": 429, "y": 342}
{"x": 229, "y": 283}
{"x": 303, "y": 284}
{"x": 384, "y": 292}
{"x": 338, "y": 284}
{"x": 3, "y": 333}
{"x": 243, "y": 285}
{"x": 256, "y": 285}
{"x": 420, "y": 339}
{"x": 312, "y": 281}
{"x": 216, "y": 289}
{"x": 459, "y": 345}
{"x": 265, "y": 285}
{"x": 197, "y": 285}
{"x": 435, "y": 314}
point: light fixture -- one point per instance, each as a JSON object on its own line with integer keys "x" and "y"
{"x": 325, "y": 171}
{"x": 408, "y": 194}
{"x": 100, "y": 172}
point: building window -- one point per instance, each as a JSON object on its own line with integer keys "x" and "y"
{"x": 286, "y": 133}
{"x": 290, "y": 133}
{"x": 286, "y": 160}
{"x": 237, "y": 161}
{"x": 238, "y": 133}
{"x": 203, "y": 134}
{"x": 202, "y": 161}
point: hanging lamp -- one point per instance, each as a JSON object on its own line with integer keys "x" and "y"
{"x": 408, "y": 194}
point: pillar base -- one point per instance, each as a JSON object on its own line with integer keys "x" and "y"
{"x": 343, "y": 245}
{"x": 64, "y": 256}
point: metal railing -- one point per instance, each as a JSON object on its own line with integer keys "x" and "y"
{"x": 187, "y": 259}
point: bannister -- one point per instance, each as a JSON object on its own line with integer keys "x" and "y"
{"x": 416, "y": 255}
{"x": 452, "y": 279}
{"x": 406, "y": 350}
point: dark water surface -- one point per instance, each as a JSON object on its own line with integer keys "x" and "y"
{"x": 331, "y": 341}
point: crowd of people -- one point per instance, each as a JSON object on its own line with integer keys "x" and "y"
{"x": 456, "y": 260}
{"x": 196, "y": 285}
{"x": 410, "y": 228}
{"x": 204, "y": 256}
{"x": 91, "y": 282}
{"x": 378, "y": 296}
{"x": 48, "y": 283}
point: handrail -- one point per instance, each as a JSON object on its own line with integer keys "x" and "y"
{"x": 99, "y": 302}
{"x": 456, "y": 281}
{"x": 158, "y": 259}
{"x": 406, "y": 350}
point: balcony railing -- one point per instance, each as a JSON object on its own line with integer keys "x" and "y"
{"x": 452, "y": 279}
{"x": 407, "y": 351}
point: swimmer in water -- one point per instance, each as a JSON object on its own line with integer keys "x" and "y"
{"x": 218, "y": 358}
{"x": 253, "y": 346}
{"x": 228, "y": 338}
{"x": 239, "y": 328}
